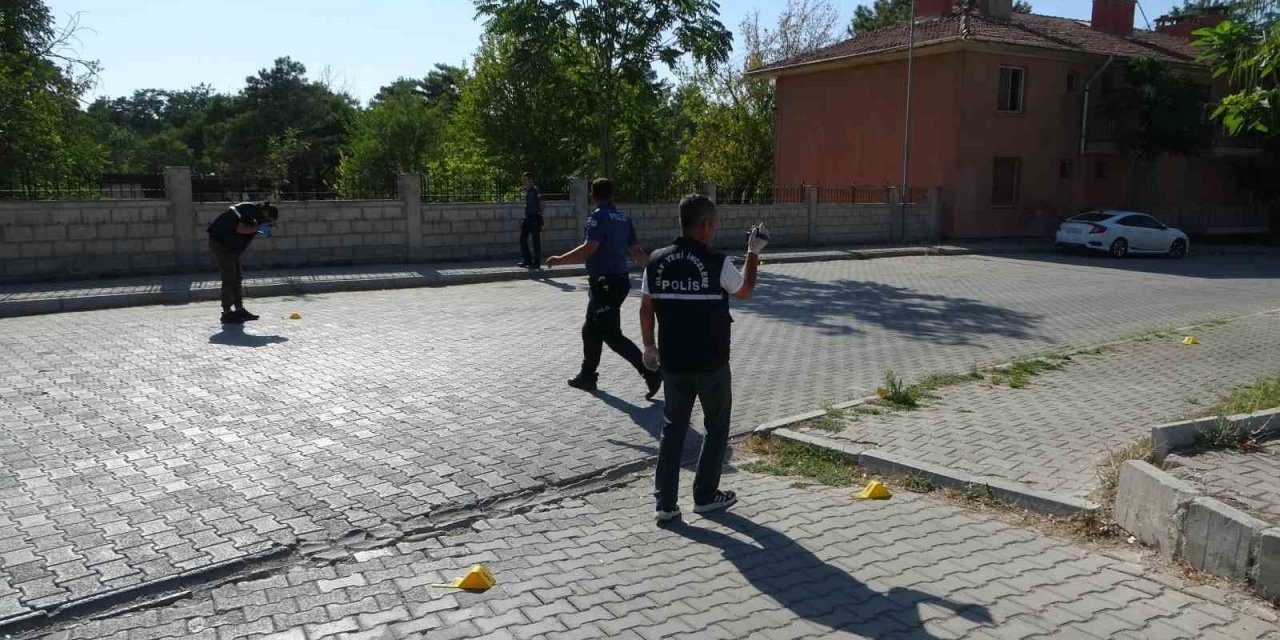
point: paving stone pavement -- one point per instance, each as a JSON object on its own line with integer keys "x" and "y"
{"x": 1052, "y": 434}
{"x": 1249, "y": 481}
{"x": 142, "y": 442}
{"x": 790, "y": 561}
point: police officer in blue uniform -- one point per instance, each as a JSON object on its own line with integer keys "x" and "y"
{"x": 686, "y": 289}
{"x": 609, "y": 239}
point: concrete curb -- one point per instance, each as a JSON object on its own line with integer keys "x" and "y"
{"x": 181, "y": 292}
{"x": 1166, "y": 513}
{"x": 1011, "y": 493}
{"x": 1170, "y": 437}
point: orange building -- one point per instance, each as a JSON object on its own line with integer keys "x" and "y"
{"x": 1004, "y": 119}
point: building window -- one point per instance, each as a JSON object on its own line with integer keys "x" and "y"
{"x": 1065, "y": 169}
{"x": 1006, "y": 176}
{"x": 1011, "y": 85}
{"x": 1071, "y": 81}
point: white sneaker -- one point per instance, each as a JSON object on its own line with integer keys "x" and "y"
{"x": 722, "y": 501}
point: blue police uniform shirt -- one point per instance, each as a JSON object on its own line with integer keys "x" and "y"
{"x": 531, "y": 208}
{"x": 615, "y": 233}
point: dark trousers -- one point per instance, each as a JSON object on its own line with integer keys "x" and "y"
{"x": 531, "y": 230}
{"x": 715, "y": 391}
{"x": 232, "y": 275}
{"x": 604, "y": 324}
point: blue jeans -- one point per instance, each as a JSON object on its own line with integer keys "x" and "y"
{"x": 715, "y": 391}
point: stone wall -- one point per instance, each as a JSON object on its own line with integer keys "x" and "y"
{"x": 67, "y": 240}
{"x": 319, "y": 233}
{"x": 39, "y": 240}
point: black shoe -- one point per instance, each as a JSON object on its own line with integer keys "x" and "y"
{"x": 244, "y": 313}
{"x": 653, "y": 380}
{"x": 524, "y": 265}
{"x": 231, "y": 317}
{"x": 723, "y": 500}
{"x": 584, "y": 382}
{"x": 667, "y": 516}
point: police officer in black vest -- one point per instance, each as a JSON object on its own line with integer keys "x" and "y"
{"x": 686, "y": 287}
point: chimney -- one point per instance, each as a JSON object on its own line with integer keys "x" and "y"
{"x": 1113, "y": 16}
{"x": 1183, "y": 25}
{"x": 1000, "y": 9}
{"x": 933, "y": 8}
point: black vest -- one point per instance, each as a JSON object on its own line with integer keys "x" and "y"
{"x": 692, "y": 308}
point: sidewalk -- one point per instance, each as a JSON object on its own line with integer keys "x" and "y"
{"x": 84, "y": 295}
{"x": 788, "y": 562}
{"x": 1052, "y": 434}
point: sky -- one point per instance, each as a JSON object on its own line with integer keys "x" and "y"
{"x": 176, "y": 44}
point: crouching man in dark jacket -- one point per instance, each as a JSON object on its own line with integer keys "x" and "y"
{"x": 229, "y": 235}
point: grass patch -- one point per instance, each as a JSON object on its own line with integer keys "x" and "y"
{"x": 1263, "y": 394}
{"x": 936, "y": 381}
{"x": 1019, "y": 374}
{"x": 833, "y": 420}
{"x": 1099, "y": 351}
{"x": 1109, "y": 473}
{"x": 782, "y": 458}
{"x": 897, "y": 393}
{"x": 1154, "y": 334}
{"x": 1226, "y": 434}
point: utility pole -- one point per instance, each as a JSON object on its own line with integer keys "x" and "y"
{"x": 903, "y": 197}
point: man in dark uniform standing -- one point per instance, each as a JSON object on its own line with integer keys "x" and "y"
{"x": 229, "y": 235}
{"x": 687, "y": 287}
{"x": 609, "y": 239}
{"x": 531, "y": 226}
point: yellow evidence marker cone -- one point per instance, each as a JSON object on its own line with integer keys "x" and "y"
{"x": 875, "y": 490}
{"x": 1190, "y": 340}
{"x": 478, "y": 578}
{"x": 295, "y": 316}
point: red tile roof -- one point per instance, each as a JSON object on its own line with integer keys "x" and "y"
{"x": 1029, "y": 30}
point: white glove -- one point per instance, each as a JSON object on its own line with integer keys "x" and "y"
{"x": 651, "y": 358}
{"x": 758, "y": 239}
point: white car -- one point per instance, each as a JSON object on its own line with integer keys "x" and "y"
{"x": 1120, "y": 233}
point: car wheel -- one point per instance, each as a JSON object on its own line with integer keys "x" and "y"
{"x": 1178, "y": 249}
{"x": 1119, "y": 248}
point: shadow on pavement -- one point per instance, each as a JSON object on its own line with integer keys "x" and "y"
{"x": 837, "y": 308}
{"x": 234, "y": 335}
{"x": 818, "y": 592}
{"x": 1212, "y": 262}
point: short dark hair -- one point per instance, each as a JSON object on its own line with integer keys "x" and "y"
{"x": 602, "y": 189}
{"x": 527, "y": 174}
{"x": 694, "y": 209}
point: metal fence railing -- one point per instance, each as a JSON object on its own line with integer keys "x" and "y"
{"x": 772, "y": 194}
{"x": 243, "y": 188}
{"x": 112, "y": 186}
{"x": 854, "y": 194}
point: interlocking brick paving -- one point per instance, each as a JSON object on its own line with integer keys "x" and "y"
{"x": 1053, "y": 433}
{"x": 141, "y": 442}
{"x": 1247, "y": 480}
{"x": 787, "y": 562}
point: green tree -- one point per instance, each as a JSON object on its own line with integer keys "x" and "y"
{"x": 1165, "y": 111}
{"x": 442, "y": 87}
{"x": 398, "y": 133}
{"x": 519, "y": 111}
{"x": 45, "y": 139}
{"x": 615, "y": 43}
{"x": 732, "y": 134}
{"x": 1246, "y": 51}
{"x": 276, "y": 100}
{"x": 885, "y": 13}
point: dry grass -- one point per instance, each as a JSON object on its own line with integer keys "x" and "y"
{"x": 782, "y": 458}
{"x": 1109, "y": 474}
